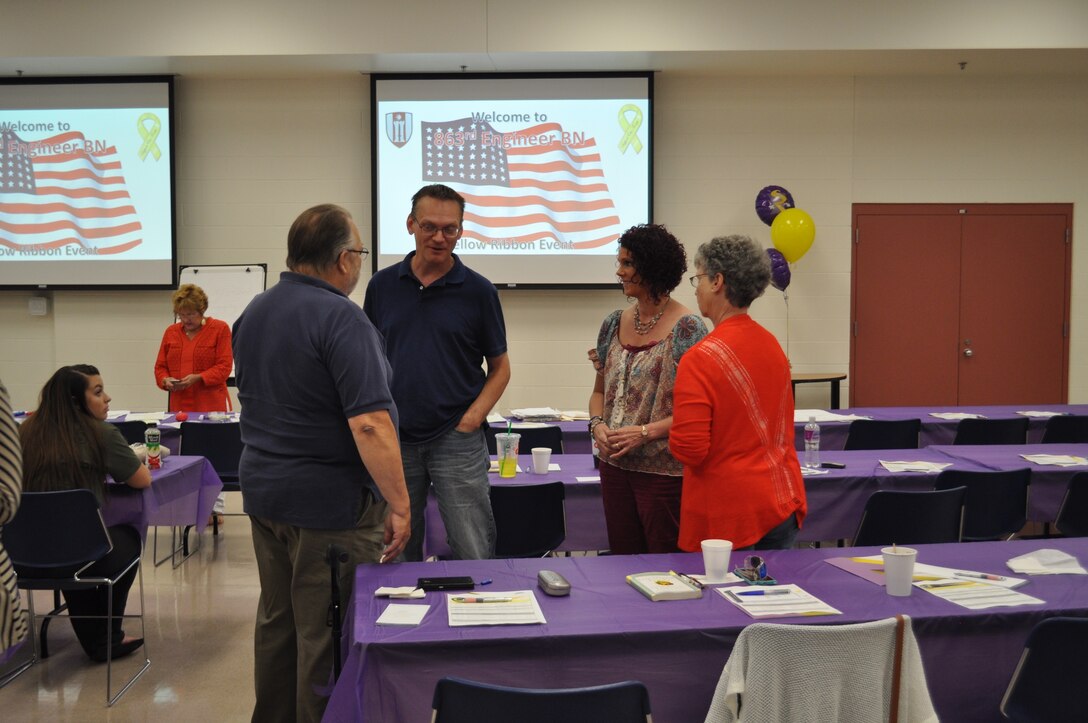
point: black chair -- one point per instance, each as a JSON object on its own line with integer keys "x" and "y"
{"x": 549, "y": 436}
{"x": 911, "y": 518}
{"x": 221, "y": 444}
{"x": 463, "y": 701}
{"x": 132, "y": 430}
{"x": 530, "y": 520}
{"x": 1072, "y": 520}
{"x": 996, "y": 505}
{"x": 992, "y": 431}
{"x": 58, "y": 530}
{"x": 1047, "y": 684}
{"x": 878, "y": 434}
{"x": 1067, "y": 428}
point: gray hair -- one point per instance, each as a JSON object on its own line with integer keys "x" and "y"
{"x": 742, "y": 263}
{"x": 317, "y": 238}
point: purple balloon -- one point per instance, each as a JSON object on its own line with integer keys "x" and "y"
{"x": 772, "y": 201}
{"x": 780, "y": 270}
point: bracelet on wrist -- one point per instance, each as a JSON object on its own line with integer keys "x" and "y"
{"x": 594, "y": 421}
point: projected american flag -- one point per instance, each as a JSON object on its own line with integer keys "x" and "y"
{"x": 54, "y": 192}
{"x": 536, "y": 183}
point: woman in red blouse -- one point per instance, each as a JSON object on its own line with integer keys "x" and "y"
{"x": 195, "y": 360}
{"x": 732, "y": 424}
{"x": 195, "y": 357}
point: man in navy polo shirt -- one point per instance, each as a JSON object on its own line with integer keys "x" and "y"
{"x": 321, "y": 464}
{"x": 441, "y": 322}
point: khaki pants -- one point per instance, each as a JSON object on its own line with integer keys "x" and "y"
{"x": 292, "y": 644}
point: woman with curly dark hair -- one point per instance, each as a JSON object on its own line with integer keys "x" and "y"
{"x": 638, "y": 350}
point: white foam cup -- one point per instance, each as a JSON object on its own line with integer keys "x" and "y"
{"x": 542, "y": 457}
{"x": 716, "y": 554}
{"x": 899, "y": 569}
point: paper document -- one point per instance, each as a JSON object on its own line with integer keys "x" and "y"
{"x": 588, "y": 479}
{"x": 917, "y": 466}
{"x": 572, "y": 415}
{"x": 116, "y": 414}
{"x": 470, "y": 607}
{"x": 535, "y": 413}
{"x": 778, "y": 601}
{"x": 813, "y": 471}
{"x": 956, "y": 415}
{"x": 1040, "y": 414}
{"x": 1055, "y": 460}
{"x": 1046, "y": 562}
{"x": 395, "y": 614}
{"x": 976, "y": 595}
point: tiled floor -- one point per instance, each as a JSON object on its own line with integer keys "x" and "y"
{"x": 200, "y": 638}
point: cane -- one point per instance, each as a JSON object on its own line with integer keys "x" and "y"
{"x": 335, "y": 555}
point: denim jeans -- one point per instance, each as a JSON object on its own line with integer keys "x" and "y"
{"x": 781, "y": 537}
{"x": 456, "y": 465}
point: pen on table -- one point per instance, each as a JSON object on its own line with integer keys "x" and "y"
{"x": 689, "y": 578}
{"x": 979, "y": 575}
{"x": 460, "y": 599}
{"x": 763, "y": 592}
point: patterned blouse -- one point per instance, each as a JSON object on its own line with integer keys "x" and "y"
{"x": 638, "y": 383}
{"x": 13, "y": 622}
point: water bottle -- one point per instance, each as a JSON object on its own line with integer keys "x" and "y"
{"x": 812, "y": 443}
{"x": 152, "y": 437}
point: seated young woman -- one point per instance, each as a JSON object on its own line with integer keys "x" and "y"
{"x": 68, "y": 444}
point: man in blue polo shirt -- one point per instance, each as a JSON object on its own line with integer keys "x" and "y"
{"x": 441, "y": 322}
{"x": 321, "y": 464}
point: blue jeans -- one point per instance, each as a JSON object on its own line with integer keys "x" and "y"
{"x": 781, "y": 537}
{"x": 456, "y": 465}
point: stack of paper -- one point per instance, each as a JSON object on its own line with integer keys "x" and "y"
{"x": 976, "y": 595}
{"x": 956, "y": 415}
{"x": 812, "y": 471}
{"x": 536, "y": 414}
{"x": 1046, "y": 562}
{"x": 402, "y": 593}
{"x": 800, "y": 416}
{"x": 778, "y": 601}
{"x": 1040, "y": 414}
{"x": 1056, "y": 460}
{"x": 571, "y": 415}
{"x": 402, "y": 614}
{"x": 919, "y": 466}
{"x": 518, "y": 607}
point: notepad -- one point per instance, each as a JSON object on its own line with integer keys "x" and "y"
{"x": 395, "y": 614}
{"x": 517, "y": 607}
{"x": 916, "y": 466}
{"x": 664, "y": 586}
{"x": 976, "y": 595}
{"x": 779, "y": 601}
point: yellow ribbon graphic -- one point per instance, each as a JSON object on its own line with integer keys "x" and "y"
{"x": 630, "y": 128}
{"x": 149, "y": 135}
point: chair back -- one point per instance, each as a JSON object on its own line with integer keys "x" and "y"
{"x": 911, "y": 518}
{"x": 57, "y": 530}
{"x": 992, "y": 431}
{"x": 549, "y": 436}
{"x": 859, "y": 672}
{"x": 881, "y": 434}
{"x": 132, "y": 430}
{"x": 1072, "y": 518}
{"x": 1067, "y": 428}
{"x": 996, "y": 505}
{"x": 530, "y": 520}
{"x": 463, "y": 701}
{"x": 219, "y": 442}
{"x": 1048, "y": 681}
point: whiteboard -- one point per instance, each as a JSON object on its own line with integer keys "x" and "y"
{"x": 229, "y": 288}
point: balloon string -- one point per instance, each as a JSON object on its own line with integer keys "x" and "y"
{"x": 786, "y": 298}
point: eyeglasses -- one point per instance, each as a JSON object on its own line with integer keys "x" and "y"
{"x": 754, "y": 571}
{"x": 695, "y": 279}
{"x": 362, "y": 252}
{"x": 429, "y": 229}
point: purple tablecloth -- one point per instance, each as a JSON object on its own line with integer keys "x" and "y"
{"x": 182, "y": 493}
{"x": 585, "y": 513}
{"x": 606, "y": 632}
{"x": 575, "y": 435}
{"x": 1048, "y": 483}
{"x": 934, "y": 429}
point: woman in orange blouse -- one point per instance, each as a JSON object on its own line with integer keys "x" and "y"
{"x": 195, "y": 360}
{"x": 195, "y": 357}
{"x": 732, "y": 424}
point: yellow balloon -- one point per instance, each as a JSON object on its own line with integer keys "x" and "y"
{"x": 792, "y": 233}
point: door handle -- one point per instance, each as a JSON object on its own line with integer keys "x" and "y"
{"x": 968, "y": 352}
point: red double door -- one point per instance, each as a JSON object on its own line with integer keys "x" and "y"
{"x": 960, "y": 304}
